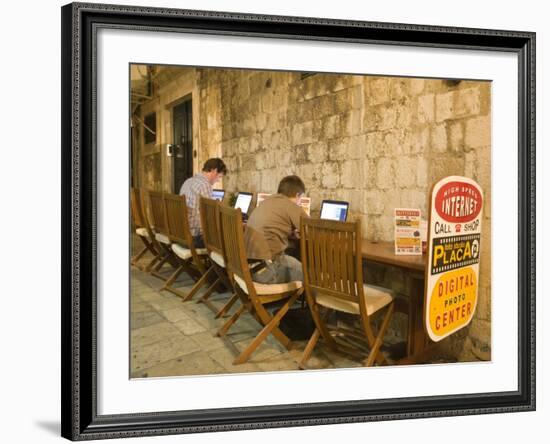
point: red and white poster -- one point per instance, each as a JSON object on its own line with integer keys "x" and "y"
{"x": 454, "y": 249}
{"x": 407, "y": 231}
{"x": 305, "y": 203}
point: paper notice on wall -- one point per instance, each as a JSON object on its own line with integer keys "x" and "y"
{"x": 407, "y": 233}
{"x": 305, "y": 203}
{"x": 453, "y": 255}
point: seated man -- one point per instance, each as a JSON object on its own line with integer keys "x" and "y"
{"x": 195, "y": 187}
{"x": 268, "y": 229}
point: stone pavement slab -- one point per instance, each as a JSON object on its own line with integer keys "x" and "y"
{"x": 195, "y": 363}
{"x": 142, "y": 319}
{"x": 170, "y": 337}
{"x": 155, "y": 353}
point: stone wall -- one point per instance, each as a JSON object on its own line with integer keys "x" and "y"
{"x": 377, "y": 142}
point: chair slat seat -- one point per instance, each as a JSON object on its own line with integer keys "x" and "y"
{"x": 269, "y": 289}
{"x": 162, "y": 238}
{"x": 375, "y": 299}
{"x": 217, "y": 258}
{"x": 142, "y": 232}
{"x": 185, "y": 253}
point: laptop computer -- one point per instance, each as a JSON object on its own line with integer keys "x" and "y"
{"x": 334, "y": 210}
{"x": 218, "y": 194}
{"x": 243, "y": 202}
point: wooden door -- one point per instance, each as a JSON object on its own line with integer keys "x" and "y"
{"x": 182, "y": 159}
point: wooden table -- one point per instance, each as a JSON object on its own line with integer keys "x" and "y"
{"x": 414, "y": 268}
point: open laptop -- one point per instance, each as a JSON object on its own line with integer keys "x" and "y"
{"x": 334, "y": 210}
{"x": 243, "y": 202}
{"x": 218, "y": 194}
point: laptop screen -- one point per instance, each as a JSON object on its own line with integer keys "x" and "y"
{"x": 243, "y": 201}
{"x": 218, "y": 194}
{"x": 334, "y": 210}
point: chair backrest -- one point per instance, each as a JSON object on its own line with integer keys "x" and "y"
{"x": 331, "y": 258}
{"x": 156, "y": 211}
{"x": 177, "y": 222}
{"x": 138, "y": 216}
{"x": 140, "y": 197}
{"x": 210, "y": 222}
{"x": 233, "y": 240}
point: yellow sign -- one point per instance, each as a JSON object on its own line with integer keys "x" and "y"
{"x": 453, "y": 255}
{"x": 453, "y": 301}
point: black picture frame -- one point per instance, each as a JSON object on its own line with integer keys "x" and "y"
{"x": 80, "y": 420}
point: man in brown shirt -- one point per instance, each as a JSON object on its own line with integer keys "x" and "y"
{"x": 268, "y": 229}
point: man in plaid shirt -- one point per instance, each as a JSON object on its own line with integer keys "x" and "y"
{"x": 201, "y": 185}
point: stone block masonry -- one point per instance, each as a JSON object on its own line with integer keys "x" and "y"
{"x": 379, "y": 142}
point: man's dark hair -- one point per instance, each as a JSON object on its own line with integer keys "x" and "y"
{"x": 215, "y": 164}
{"x": 291, "y": 185}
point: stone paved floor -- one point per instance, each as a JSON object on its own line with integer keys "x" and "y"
{"x": 173, "y": 338}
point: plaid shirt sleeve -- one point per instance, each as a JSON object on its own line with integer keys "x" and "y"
{"x": 193, "y": 189}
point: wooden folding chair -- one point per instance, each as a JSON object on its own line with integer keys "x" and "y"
{"x": 190, "y": 259}
{"x": 211, "y": 232}
{"x": 333, "y": 280}
{"x": 143, "y": 231}
{"x": 253, "y": 295}
{"x": 158, "y": 224}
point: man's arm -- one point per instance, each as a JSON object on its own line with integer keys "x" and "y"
{"x": 205, "y": 191}
{"x": 199, "y": 189}
{"x": 295, "y": 215}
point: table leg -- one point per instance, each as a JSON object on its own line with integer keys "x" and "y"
{"x": 417, "y": 339}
